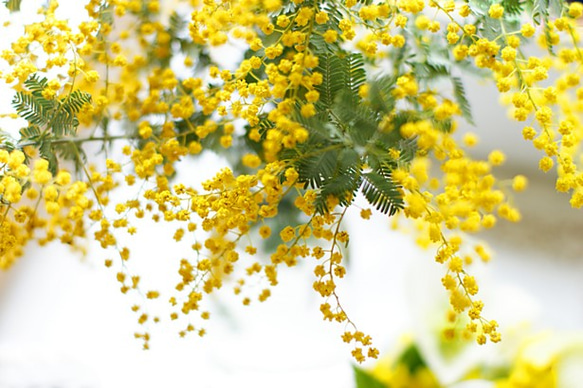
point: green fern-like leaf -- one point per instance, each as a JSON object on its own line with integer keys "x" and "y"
{"x": 408, "y": 148}
{"x": 488, "y": 27}
{"x": 46, "y": 152}
{"x": 480, "y": 7}
{"x": 288, "y": 7}
{"x": 35, "y": 85}
{"x": 106, "y": 16}
{"x": 355, "y": 75}
{"x": 459, "y": 94}
{"x": 540, "y": 11}
{"x": 401, "y": 56}
{"x": 70, "y": 151}
{"x": 315, "y": 169}
{"x": 513, "y": 7}
{"x": 176, "y": 24}
{"x": 319, "y": 45}
{"x": 333, "y": 76}
{"x": 36, "y": 110}
{"x": 32, "y": 132}
{"x": 343, "y": 186}
{"x": 64, "y": 120}
{"x": 319, "y": 126}
{"x": 492, "y": 28}
{"x": 380, "y": 96}
{"x": 6, "y": 141}
{"x": 75, "y": 101}
{"x": 60, "y": 116}
{"x": 359, "y": 120}
{"x": 428, "y": 70}
{"x": 382, "y": 193}
{"x": 334, "y": 17}
{"x": 404, "y": 117}
{"x": 343, "y": 181}
{"x": 265, "y": 124}
{"x": 63, "y": 123}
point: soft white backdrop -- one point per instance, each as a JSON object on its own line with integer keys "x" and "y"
{"x": 64, "y": 323}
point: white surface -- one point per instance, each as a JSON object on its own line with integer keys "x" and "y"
{"x": 64, "y": 323}
{"x": 67, "y": 321}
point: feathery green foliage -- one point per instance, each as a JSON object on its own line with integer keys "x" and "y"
{"x": 50, "y": 121}
{"x": 513, "y": 7}
{"x": 58, "y": 116}
{"x": 345, "y": 135}
{"x": 382, "y": 193}
{"x": 459, "y": 94}
{"x": 330, "y": 66}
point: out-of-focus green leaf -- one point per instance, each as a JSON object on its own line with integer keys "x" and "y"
{"x": 13, "y": 5}
{"x": 364, "y": 379}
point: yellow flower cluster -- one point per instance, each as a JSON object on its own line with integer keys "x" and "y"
{"x": 34, "y": 200}
{"x": 157, "y": 88}
{"x": 549, "y": 108}
{"x": 466, "y": 199}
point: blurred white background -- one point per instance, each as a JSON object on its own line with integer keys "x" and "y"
{"x": 64, "y": 323}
